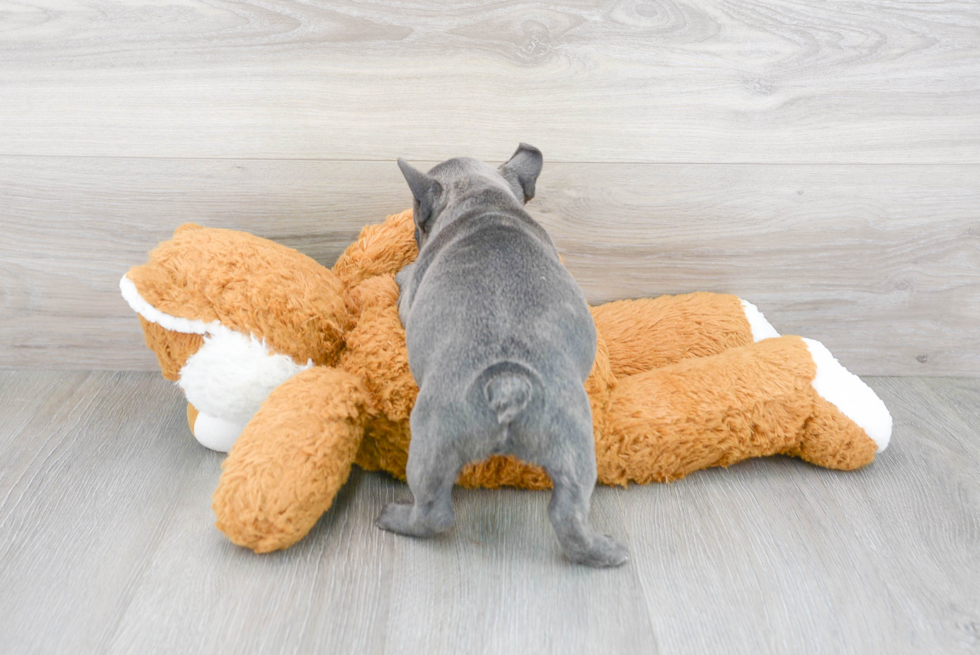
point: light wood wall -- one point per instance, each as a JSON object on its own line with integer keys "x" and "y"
{"x": 819, "y": 159}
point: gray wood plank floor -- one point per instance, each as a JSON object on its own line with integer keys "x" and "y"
{"x": 107, "y": 545}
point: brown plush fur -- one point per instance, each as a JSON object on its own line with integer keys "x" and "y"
{"x": 833, "y": 441}
{"x": 678, "y": 384}
{"x": 272, "y": 494}
{"x": 249, "y": 284}
{"x": 710, "y": 411}
{"x": 654, "y": 332}
{"x": 381, "y": 249}
{"x": 171, "y": 348}
{"x": 192, "y": 415}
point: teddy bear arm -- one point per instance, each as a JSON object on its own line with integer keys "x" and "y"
{"x": 291, "y": 460}
{"x": 382, "y": 249}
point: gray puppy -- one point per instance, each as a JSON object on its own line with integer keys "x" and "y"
{"x": 500, "y": 341}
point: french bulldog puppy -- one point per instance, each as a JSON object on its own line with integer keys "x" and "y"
{"x": 500, "y": 341}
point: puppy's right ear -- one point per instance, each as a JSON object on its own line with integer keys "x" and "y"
{"x": 427, "y": 192}
{"x": 522, "y": 170}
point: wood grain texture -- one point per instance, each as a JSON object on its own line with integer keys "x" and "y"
{"x": 92, "y": 471}
{"x": 499, "y": 584}
{"x": 881, "y": 263}
{"x": 797, "y": 559}
{"x": 107, "y": 544}
{"x": 73, "y": 227}
{"x": 201, "y": 594}
{"x": 594, "y": 80}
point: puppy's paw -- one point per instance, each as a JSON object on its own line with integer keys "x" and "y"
{"x": 396, "y": 517}
{"x": 400, "y": 519}
{"x": 604, "y": 552}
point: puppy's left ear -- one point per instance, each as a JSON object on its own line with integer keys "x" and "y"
{"x": 523, "y": 169}
{"x": 427, "y": 192}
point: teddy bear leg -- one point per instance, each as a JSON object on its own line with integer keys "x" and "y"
{"x": 293, "y": 456}
{"x": 850, "y": 424}
{"x": 654, "y": 332}
{"x": 776, "y": 396}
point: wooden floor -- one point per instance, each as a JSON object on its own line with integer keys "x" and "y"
{"x": 107, "y": 545}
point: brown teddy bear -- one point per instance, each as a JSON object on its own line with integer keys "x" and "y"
{"x": 304, "y": 371}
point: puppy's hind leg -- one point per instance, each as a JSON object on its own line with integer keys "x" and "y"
{"x": 433, "y": 466}
{"x": 571, "y": 465}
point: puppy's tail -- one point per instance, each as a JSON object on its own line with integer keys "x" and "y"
{"x": 508, "y": 387}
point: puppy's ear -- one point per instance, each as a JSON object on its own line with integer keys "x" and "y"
{"x": 523, "y": 169}
{"x": 427, "y": 192}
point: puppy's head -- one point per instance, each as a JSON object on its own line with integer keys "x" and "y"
{"x": 447, "y": 182}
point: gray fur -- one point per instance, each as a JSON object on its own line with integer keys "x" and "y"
{"x": 500, "y": 341}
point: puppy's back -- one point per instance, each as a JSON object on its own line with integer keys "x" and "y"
{"x": 498, "y": 292}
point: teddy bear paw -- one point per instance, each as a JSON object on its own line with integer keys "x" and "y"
{"x": 850, "y": 395}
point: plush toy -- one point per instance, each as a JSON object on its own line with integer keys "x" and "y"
{"x": 301, "y": 371}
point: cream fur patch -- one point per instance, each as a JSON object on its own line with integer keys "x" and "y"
{"x": 761, "y": 328}
{"x": 232, "y": 374}
{"x": 850, "y": 395}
